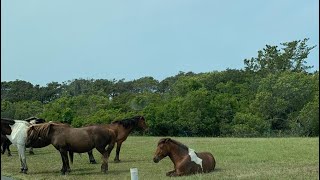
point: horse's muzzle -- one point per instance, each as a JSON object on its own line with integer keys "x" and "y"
{"x": 156, "y": 159}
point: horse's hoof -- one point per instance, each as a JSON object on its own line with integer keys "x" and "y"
{"x": 31, "y": 153}
{"x": 93, "y": 162}
{"x": 23, "y": 171}
{"x": 117, "y": 160}
{"x": 9, "y": 155}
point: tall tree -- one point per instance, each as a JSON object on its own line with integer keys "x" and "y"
{"x": 291, "y": 57}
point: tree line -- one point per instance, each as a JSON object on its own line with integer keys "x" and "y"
{"x": 273, "y": 95}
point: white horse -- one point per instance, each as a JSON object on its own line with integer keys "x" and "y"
{"x": 18, "y": 138}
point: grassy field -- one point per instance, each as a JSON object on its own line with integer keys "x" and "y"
{"x": 237, "y": 158}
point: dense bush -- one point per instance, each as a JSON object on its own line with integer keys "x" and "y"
{"x": 265, "y": 99}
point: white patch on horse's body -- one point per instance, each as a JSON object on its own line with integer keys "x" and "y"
{"x": 18, "y": 138}
{"x": 195, "y": 158}
{"x": 19, "y": 132}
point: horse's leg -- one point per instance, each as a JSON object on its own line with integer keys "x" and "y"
{"x": 9, "y": 152}
{"x": 3, "y": 148}
{"x": 116, "y": 159}
{"x": 91, "y": 158}
{"x": 67, "y": 162}
{"x": 110, "y": 147}
{"x": 178, "y": 173}
{"x": 22, "y": 157}
{"x": 170, "y": 172}
{"x": 31, "y": 151}
{"x": 63, "y": 154}
{"x": 105, "y": 156}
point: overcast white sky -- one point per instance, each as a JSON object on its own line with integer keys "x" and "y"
{"x": 45, "y": 41}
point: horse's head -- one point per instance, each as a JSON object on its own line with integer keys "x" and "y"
{"x": 5, "y": 126}
{"x": 38, "y": 135}
{"x": 163, "y": 149}
{"x": 142, "y": 123}
{"x": 35, "y": 120}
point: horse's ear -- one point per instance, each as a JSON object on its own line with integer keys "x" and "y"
{"x": 167, "y": 140}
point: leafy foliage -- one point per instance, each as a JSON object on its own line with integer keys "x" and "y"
{"x": 274, "y": 95}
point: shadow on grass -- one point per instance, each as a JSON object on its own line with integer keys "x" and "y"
{"x": 97, "y": 171}
{"x": 56, "y": 172}
{"x": 217, "y": 170}
{"x": 130, "y": 161}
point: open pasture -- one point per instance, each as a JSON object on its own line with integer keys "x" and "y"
{"x": 237, "y": 158}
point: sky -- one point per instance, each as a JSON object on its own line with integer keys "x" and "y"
{"x": 46, "y": 41}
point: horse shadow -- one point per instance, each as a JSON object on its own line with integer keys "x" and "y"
{"x": 85, "y": 170}
{"x": 130, "y": 161}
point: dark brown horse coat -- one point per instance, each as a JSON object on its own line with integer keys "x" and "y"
{"x": 65, "y": 138}
{"x": 179, "y": 155}
{"x": 5, "y": 130}
{"x": 5, "y": 143}
{"x": 122, "y": 129}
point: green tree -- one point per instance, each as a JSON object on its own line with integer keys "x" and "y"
{"x": 291, "y": 57}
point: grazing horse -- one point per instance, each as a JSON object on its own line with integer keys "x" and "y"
{"x": 186, "y": 161}
{"x": 65, "y": 138}
{"x": 122, "y": 129}
{"x": 16, "y": 132}
{"x": 34, "y": 120}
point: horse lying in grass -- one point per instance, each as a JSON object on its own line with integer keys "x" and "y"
{"x": 122, "y": 129}
{"x": 16, "y": 132}
{"x": 186, "y": 161}
{"x": 65, "y": 138}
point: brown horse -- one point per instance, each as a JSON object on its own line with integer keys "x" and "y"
{"x": 5, "y": 130}
{"x": 185, "y": 160}
{"x": 65, "y": 138}
{"x": 5, "y": 143}
{"x": 122, "y": 129}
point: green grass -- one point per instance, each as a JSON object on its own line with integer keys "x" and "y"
{"x": 237, "y": 158}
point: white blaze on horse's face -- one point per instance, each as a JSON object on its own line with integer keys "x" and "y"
{"x": 194, "y": 157}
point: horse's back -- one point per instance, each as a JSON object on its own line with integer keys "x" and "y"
{"x": 208, "y": 161}
{"x": 97, "y": 134}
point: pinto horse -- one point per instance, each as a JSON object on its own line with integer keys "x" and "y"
{"x": 65, "y": 138}
{"x": 16, "y": 132}
{"x": 5, "y": 142}
{"x": 122, "y": 129}
{"x": 185, "y": 160}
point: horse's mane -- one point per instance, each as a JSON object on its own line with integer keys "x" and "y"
{"x": 31, "y": 118}
{"x": 129, "y": 122}
{"x": 35, "y": 119}
{"x": 13, "y": 121}
{"x": 39, "y": 130}
{"x": 165, "y": 140}
{"x": 7, "y": 120}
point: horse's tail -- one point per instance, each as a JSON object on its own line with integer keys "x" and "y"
{"x": 71, "y": 156}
